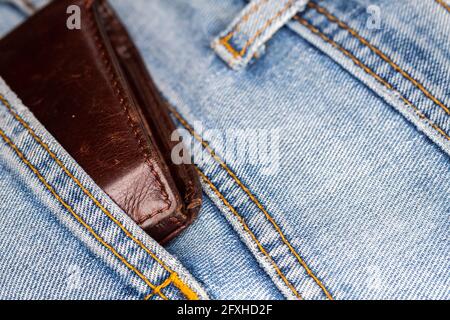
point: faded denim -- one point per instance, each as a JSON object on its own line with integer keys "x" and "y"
{"x": 356, "y": 203}
{"x": 61, "y": 236}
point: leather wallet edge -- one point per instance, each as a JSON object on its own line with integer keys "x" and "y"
{"x": 155, "y": 117}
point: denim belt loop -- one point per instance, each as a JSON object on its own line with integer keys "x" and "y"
{"x": 245, "y": 37}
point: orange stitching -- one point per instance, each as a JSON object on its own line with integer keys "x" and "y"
{"x": 188, "y": 292}
{"x": 443, "y": 4}
{"x": 372, "y": 73}
{"x": 74, "y": 214}
{"x": 247, "y": 229}
{"x": 257, "y": 34}
{"x": 378, "y": 52}
{"x": 183, "y": 287}
{"x": 158, "y": 289}
{"x": 224, "y": 40}
{"x": 149, "y": 296}
{"x": 252, "y": 198}
{"x": 249, "y": 13}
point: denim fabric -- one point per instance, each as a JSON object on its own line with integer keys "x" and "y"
{"x": 213, "y": 253}
{"x": 222, "y": 271}
{"x": 357, "y": 207}
{"x": 9, "y": 18}
{"x": 349, "y": 202}
{"x": 245, "y": 37}
{"x": 22, "y": 7}
{"x": 404, "y": 57}
{"x": 33, "y": 240}
{"x": 61, "y": 236}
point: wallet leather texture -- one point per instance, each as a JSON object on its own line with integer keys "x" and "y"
{"x": 92, "y": 92}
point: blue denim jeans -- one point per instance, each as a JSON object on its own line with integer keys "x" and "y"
{"x": 324, "y": 159}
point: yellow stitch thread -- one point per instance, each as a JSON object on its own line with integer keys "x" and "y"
{"x": 184, "y": 289}
{"x": 379, "y": 53}
{"x": 373, "y": 74}
{"x": 444, "y": 5}
{"x": 267, "y": 25}
{"x": 251, "y": 11}
{"x": 225, "y": 40}
{"x": 74, "y": 214}
{"x": 187, "y": 291}
{"x": 257, "y": 34}
{"x": 158, "y": 289}
{"x": 149, "y": 296}
{"x": 252, "y": 198}
{"x": 247, "y": 229}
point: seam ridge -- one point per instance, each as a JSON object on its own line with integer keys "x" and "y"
{"x": 247, "y": 229}
{"x": 373, "y": 74}
{"x": 74, "y": 214}
{"x": 252, "y": 198}
{"x": 379, "y": 53}
{"x": 225, "y": 40}
{"x": 253, "y": 10}
{"x": 185, "y": 289}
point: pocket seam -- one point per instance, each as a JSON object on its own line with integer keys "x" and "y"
{"x": 373, "y": 74}
{"x": 184, "y": 288}
{"x": 252, "y": 198}
{"x": 379, "y": 53}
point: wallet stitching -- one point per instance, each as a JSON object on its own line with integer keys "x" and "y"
{"x": 71, "y": 210}
{"x": 126, "y": 107}
{"x": 252, "y": 198}
{"x": 373, "y": 74}
{"x": 184, "y": 288}
{"x": 379, "y": 53}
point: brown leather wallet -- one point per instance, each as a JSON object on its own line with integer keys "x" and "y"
{"x": 91, "y": 90}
